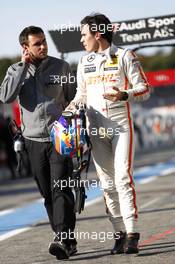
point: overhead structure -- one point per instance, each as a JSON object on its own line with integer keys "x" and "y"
{"x": 138, "y": 31}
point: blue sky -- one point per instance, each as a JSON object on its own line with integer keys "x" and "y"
{"x": 48, "y": 14}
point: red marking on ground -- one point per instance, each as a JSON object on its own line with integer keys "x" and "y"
{"x": 156, "y": 237}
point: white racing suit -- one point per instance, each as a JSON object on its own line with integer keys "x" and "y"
{"x": 111, "y": 128}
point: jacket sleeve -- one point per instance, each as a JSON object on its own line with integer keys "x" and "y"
{"x": 80, "y": 96}
{"x": 13, "y": 81}
{"x": 138, "y": 86}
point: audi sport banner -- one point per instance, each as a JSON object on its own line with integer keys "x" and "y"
{"x": 144, "y": 30}
{"x": 161, "y": 78}
{"x": 67, "y": 37}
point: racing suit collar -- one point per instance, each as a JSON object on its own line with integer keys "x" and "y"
{"x": 111, "y": 50}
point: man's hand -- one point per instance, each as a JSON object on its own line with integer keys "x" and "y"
{"x": 27, "y": 57}
{"x": 115, "y": 96}
{"x": 71, "y": 107}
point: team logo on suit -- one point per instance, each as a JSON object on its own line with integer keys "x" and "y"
{"x": 91, "y": 58}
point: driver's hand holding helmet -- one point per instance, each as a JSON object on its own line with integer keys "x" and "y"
{"x": 71, "y": 107}
{"x": 75, "y": 106}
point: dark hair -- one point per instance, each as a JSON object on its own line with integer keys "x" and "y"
{"x": 99, "y": 23}
{"x": 31, "y": 30}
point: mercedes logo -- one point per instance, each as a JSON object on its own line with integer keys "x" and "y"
{"x": 91, "y": 57}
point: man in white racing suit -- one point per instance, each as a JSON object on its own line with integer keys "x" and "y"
{"x": 109, "y": 78}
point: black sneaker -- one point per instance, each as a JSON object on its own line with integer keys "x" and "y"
{"x": 119, "y": 243}
{"x": 131, "y": 246}
{"x": 59, "y": 249}
{"x": 72, "y": 250}
{"x": 72, "y": 247}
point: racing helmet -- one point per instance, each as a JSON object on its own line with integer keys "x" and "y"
{"x": 67, "y": 135}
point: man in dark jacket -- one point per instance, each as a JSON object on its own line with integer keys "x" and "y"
{"x": 42, "y": 84}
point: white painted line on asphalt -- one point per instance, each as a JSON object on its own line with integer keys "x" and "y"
{"x": 167, "y": 171}
{"x": 88, "y": 203}
{"x": 150, "y": 203}
{"x": 21, "y": 230}
{"x": 143, "y": 169}
{"x": 147, "y": 180}
{"x": 7, "y": 211}
{"x": 141, "y": 207}
{"x": 97, "y": 200}
{"x": 14, "y": 233}
{"x": 11, "y": 210}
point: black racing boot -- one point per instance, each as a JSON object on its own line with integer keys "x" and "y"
{"x": 131, "y": 246}
{"x": 119, "y": 243}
